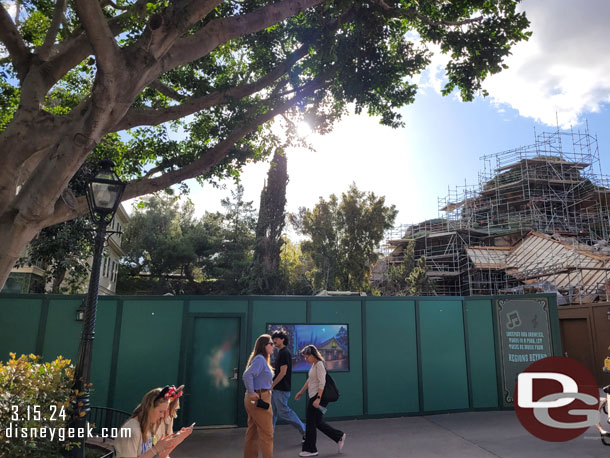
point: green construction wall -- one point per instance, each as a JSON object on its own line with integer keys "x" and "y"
{"x": 149, "y": 348}
{"x": 20, "y": 320}
{"x": 403, "y": 351}
{"x": 391, "y": 357}
{"x": 481, "y": 350}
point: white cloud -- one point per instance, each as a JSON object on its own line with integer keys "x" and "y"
{"x": 433, "y": 77}
{"x": 561, "y": 73}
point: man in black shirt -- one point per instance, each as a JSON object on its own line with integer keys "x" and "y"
{"x": 281, "y": 384}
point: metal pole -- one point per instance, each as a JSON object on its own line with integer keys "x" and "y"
{"x": 82, "y": 374}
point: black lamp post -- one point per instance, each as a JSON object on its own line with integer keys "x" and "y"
{"x": 104, "y": 194}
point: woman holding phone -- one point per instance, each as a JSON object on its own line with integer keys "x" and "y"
{"x": 166, "y": 428}
{"x": 258, "y": 378}
{"x": 143, "y": 441}
{"x": 316, "y": 380}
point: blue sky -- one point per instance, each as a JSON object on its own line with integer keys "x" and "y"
{"x": 560, "y": 75}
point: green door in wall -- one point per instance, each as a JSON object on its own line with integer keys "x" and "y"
{"x": 213, "y": 380}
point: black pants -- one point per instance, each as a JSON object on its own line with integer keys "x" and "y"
{"x": 314, "y": 419}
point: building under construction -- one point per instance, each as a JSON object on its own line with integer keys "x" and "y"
{"x": 538, "y": 220}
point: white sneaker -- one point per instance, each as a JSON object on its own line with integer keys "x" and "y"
{"x": 341, "y": 442}
{"x": 304, "y": 453}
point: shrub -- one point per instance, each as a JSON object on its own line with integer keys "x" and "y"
{"x": 36, "y": 396}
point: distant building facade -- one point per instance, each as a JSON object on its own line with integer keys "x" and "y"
{"x": 31, "y": 279}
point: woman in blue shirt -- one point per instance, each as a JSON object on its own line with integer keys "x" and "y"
{"x": 258, "y": 378}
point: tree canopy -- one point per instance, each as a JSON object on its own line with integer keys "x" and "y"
{"x": 178, "y": 90}
{"x": 162, "y": 238}
{"x": 343, "y": 236}
{"x": 167, "y": 249}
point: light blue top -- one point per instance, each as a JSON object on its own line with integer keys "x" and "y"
{"x": 258, "y": 376}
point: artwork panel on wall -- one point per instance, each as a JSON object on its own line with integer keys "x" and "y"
{"x": 332, "y": 340}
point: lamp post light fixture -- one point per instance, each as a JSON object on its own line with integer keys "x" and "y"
{"x": 104, "y": 193}
{"x": 80, "y": 312}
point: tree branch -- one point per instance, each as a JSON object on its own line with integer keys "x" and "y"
{"x": 148, "y": 116}
{"x": 49, "y": 40}
{"x": 10, "y": 36}
{"x": 169, "y": 25}
{"x": 99, "y": 35}
{"x": 71, "y": 52}
{"x": 214, "y": 155}
{"x": 413, "y": 13}
{"x": 157, "y": 85}
{"x": 219, "y": 31}
{"x": 201, "y": 166}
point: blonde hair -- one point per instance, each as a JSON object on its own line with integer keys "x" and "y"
{"x": 174, "y": 405}
{"x": 144, "y": 410}
{"x": 259, "y": 349}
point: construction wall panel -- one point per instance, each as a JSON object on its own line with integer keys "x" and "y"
{"x": 19, "y": 322}
{"x": 443, "y": 355}
{"x": 391, "y": 357}
{"x": 481, "y": 353}
{"x": 149, "y": 349}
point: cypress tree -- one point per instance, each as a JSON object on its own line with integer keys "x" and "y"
{"x": 267, "y": 278}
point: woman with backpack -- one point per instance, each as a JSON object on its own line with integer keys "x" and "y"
{"x": 316, "y": 380}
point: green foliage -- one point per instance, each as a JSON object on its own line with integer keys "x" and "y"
{"x": 26, "y": 384}
{"x": 343, "y": 237}
{"x": 63, "y": 250}
{"x": 159, "y": 238}
{"x": 33, "y": 29}
{"x": 182, "y": 254}
{"x": 418, "y": 280}
{"x": 408, "y": 278}
{"x": 320, "y": 225}
{"x": 295, "y": 268}
{"x": 9, "y": 100}
{"x": 231, "y": 267}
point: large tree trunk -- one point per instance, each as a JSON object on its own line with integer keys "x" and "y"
{"x": 15, "y": 234}
{"x": 58, "y": 280}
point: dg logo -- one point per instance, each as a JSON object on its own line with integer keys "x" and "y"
{"x": 557, "y": 399}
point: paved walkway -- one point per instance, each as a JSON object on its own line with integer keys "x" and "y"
{"x": 461, "y": 435}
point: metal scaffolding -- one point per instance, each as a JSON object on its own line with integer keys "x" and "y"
{"x": 553, "y": 187}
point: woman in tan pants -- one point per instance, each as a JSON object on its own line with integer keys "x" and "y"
{"x": 258, "y": 378}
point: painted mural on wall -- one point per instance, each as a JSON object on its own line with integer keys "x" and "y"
{"x": 525, "y": 337}
{"x": 331, "y": 339}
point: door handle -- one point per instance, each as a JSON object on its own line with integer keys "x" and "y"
{"x": 234, "y": 374}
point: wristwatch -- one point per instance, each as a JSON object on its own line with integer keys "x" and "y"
{"x": 318, "y": 397}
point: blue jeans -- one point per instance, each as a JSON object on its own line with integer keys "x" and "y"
{"x": 279, "y": 402}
